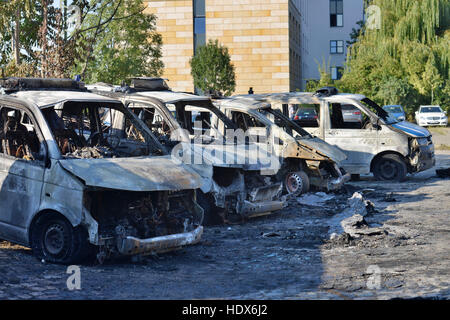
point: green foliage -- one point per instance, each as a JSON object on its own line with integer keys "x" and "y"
{"x": 325, "y": 78}
{"x": 116, "y": 40}
{"x": 212, "y": 69}
{"x": 124, "y": 48}
{"x": 29, "y": 22}
{"x": 406, "y": 61}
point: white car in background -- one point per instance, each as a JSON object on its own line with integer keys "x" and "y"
{"x": 431, "y": 116}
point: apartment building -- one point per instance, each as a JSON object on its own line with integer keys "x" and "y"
{"x": 274, "y": 44}
{"x": 326, "y": 27}
{"x": 263, "y": 38}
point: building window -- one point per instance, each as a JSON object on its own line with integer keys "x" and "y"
{"x": 199, "y": 24}
{"x": 336, "y": 73}
{"x": 336, "y": 46}
{"x": 336, "y": 13}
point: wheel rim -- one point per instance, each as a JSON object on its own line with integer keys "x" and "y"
{"x": 54, "y": 239}
{"x": 294, "y": 183}
{"x": 388, "y": 169}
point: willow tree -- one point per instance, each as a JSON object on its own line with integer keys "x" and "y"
{"x": 410, "y": 51}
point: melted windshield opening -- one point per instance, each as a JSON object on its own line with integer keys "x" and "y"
{"x": 99, "y": 130}
{"x": 380, "y": 112}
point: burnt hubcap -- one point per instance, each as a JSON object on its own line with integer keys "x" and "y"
{"x": 388, "y": 169}
{"x": 293, "y": 183}
{"x": 54, "y": 239}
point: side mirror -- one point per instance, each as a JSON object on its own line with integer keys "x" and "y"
{"x": 47, "y": 162}
{"x": 376, "y": 124}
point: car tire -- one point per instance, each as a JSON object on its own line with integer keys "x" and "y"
{"x": 296, "y": 183}
{"x": 55, "y": 240}
{"x": 390, "y": 167}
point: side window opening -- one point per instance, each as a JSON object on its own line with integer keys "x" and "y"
{"x": 19, "y": 138}
{"x": 245, "y": 121}
{"x": 347, "y": 116}
{"x": 152, "y": 118}
{"x": 200, "y": 122}
{"x": 307, "y": 115}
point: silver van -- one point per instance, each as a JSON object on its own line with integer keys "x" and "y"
{"x": 72, "y": 178}
{"x": 379, "y": 143}
{"x": 304, "y": 160}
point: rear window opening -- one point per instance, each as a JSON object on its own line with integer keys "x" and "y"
{"x": 18, "y": 135}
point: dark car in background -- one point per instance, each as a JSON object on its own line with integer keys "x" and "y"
{"x": 306, "y": 116}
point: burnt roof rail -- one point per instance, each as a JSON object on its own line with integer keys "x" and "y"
{"x": 327, "y": 91}
{"x": 13, "y": 84}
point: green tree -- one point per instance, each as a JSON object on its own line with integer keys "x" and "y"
{"x": 114, "y": 37}
{"x": 19, "y": 24}
{"x": 325, "y": 78}
{"x": 406, "y": 60}
{"x": 212, "y": 69}
{"x": 118, "y": 41}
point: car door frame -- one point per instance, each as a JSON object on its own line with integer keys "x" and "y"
{"x": 22, "y": 182}
{"x": 358, "y": 161}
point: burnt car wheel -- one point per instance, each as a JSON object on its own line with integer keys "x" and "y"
{"x": 390, "y": 167}
{"x": 53, "y": 239}
{"x": 212, "y": 214}
{"x": 296, "y": 183}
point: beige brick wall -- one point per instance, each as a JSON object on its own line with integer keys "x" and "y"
{"x": 256, "y": 33}
{"x": 176, "y": 27}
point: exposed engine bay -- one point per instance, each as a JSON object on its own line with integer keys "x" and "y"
{"x": 142, "y": 215}
{"x": 248, "y": 192}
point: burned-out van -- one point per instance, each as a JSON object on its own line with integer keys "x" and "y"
{"x": 305, "y": 160}
{"x": 378, "y": 143}
{"x": 72, "y": 178}
{"x": 243, "y": 183}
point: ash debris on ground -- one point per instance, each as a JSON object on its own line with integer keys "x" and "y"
{"x": 287, "y": 255}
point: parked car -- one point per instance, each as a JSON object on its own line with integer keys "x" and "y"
{"x": 305, "y": 160}
{"x": 306, "y": 115}
{"x": 234, "y": 190}
{"x": 73, "y": 179}
{"x": 351, "y": 114}
{"x": 431, "y": 116}
{"x": 381, "y": 144}
{"x": 396, "y": 111}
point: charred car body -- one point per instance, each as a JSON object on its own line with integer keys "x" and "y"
{"x": 71, "y": 179}
{"x": 235, "y": 190}
{"x": 306, "y": 160}
{"x": 379, "y": 144}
